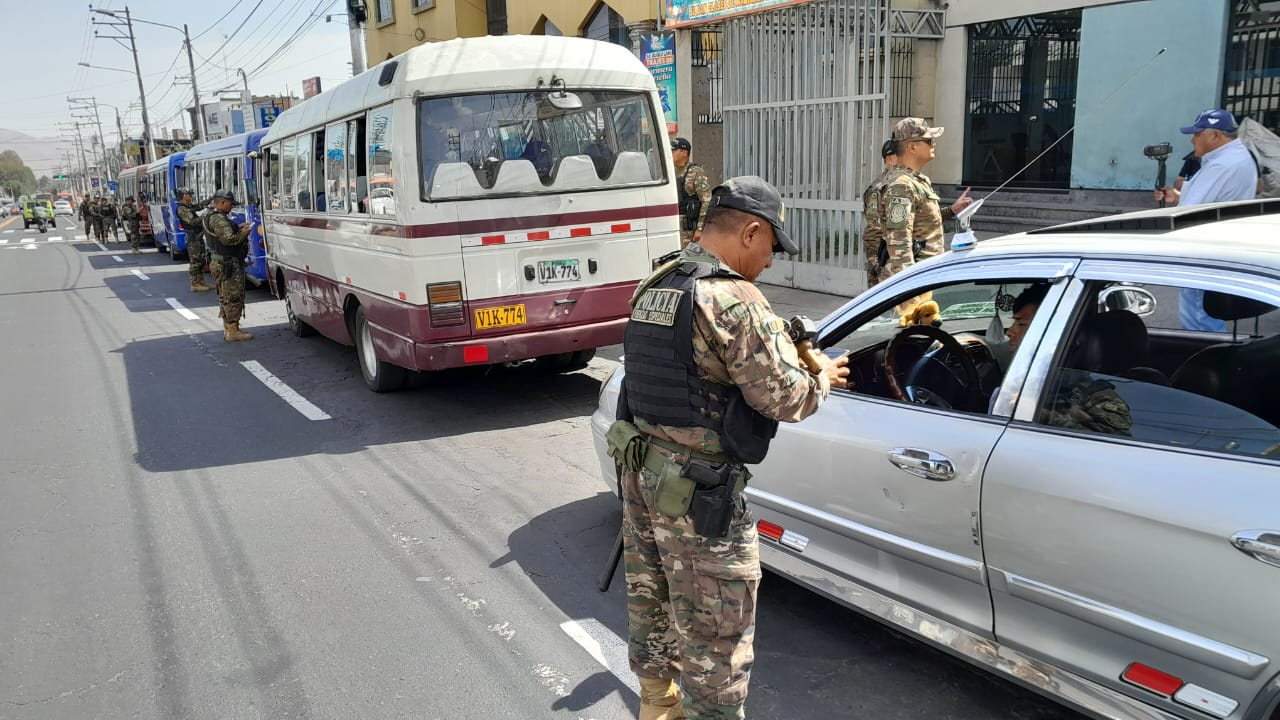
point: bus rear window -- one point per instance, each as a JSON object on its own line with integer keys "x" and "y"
{"x": 518, "y": 143}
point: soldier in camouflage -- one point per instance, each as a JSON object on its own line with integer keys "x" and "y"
{"x": 93, "y": 213}
{"x": 873, "y": 233}
{"x": 694, "y": 191}
{"x": 909, "y": 207}
{"x": 233, "y": 245}
{"x": 187, "y": 215}
{"x": 132, "y": 224}
{"x": 691, "y": 593}
{"x": 107, "y": 209}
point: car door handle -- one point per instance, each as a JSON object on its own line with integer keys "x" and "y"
{"x": 1263, "y": 545}
{"x": 922, "y": 463}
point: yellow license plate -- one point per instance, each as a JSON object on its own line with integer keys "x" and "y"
{"x": 496, "y": 317}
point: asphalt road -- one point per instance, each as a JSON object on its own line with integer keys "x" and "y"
{"x": 179, "y": 541}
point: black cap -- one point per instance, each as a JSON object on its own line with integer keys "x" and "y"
{"x": 221, "y": 194}
{"x": 753, "y": 194}
{"x": 890, "y": 147}
{"x": 681, "y": 144}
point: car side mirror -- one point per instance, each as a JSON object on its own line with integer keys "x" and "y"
{"x": 1136, "y": 300}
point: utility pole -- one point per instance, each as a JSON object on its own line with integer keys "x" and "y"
{"x": 250, "y": 122}
{"x": 195, "y": 90}
{"x": 85, "y": 104}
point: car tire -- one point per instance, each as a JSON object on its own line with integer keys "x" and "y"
{"x": 379, "y": 376}
{"x": 296, "y": 324}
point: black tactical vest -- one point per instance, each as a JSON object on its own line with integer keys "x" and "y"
{"x": 690, "y": 203}
{"x": 661, "y": 382}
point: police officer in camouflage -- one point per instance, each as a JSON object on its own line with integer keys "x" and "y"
{"x": 694, "y": 191}
{"x": 132, "y": 223}
{"x": 233, "y": 246}
{"x": 189, "y": 218}
{"x": 93, "y": 213}
{"x": 692, "y": 560}
{"x": 909, "y": 207}
{"x": 873, "y": 232}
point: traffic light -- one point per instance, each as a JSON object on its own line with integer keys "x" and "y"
{"x": 60, "y": 177}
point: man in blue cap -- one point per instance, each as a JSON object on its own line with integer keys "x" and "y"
{"x": 1227, "y": 172}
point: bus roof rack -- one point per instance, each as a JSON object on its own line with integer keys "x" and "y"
{"x": 1168, "y": 219}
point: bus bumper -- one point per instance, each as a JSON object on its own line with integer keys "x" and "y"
{"x": 512, "y": 348}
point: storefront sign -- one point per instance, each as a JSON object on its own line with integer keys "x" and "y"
{"x": 682, "y": 13}
{"x": 658, "y": 53}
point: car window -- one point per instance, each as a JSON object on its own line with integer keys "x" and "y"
{"x": 949, "y": 347}
{"x": 1128, "y": 369}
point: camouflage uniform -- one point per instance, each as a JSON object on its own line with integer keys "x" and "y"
{"x": 691, "y": 600}
{"x": 696, "y": 183}
{"x": 873, "y": 233}
{"x": 132, "y": 223}
{"x": 912, "y": 219}
{"x": 108, "y": 212}
{"x": 231, "y": 281}
{"x": 195, "y": 241}
{"x": 93, "y": 212}
{"x": 1088, "y": 404}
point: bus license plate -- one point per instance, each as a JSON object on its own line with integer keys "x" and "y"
{"x": 552, "y": 271}
{"x": 496, "y": 317}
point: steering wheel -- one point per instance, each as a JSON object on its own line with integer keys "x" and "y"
{"x": 966, "y": 378}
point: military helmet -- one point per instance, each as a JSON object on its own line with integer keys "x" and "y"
{"x": 184, "y": 191}
{"x": 221, "y": 194}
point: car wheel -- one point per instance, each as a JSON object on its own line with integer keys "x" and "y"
{"x": 378, "y": 375}
{"x": 296, "y": 324}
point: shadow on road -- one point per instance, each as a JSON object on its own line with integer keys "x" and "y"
{"x": 815, "y": 659}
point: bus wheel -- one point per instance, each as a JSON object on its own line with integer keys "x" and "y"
{"x": 296, "y": 324}
{"x": 378, "y": 375}
{"x": 580, "y": 360}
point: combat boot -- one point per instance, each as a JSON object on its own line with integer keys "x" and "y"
{"x": 660, "y": 700}
{"x": 199, "y": 286}
{"x": 231, "y": 332}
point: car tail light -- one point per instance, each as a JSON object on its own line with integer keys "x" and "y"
{"x": 444, "y": 300}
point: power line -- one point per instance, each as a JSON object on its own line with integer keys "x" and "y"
{"x": 238, "y": 28}
{"x": 302, "y": 29}
{"x": 218, "y": 21}
{"x": 269, "y": 31}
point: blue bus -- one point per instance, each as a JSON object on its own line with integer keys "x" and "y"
{"x": 229, "y": 164}
{"x": 165, "y": 176}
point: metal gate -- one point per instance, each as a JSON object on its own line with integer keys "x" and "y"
{"x": 805, "y": 91}
{"x": 1251, "y": 82}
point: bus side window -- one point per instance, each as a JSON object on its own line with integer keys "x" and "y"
{"x": 317, "y": 165}
{"x": 357, "y": 167}
{"x": 303, "y": 160}
{"x": 382, "y": 195}
{"x": 288, "y": 169}
{"x": 272, "y": 175}
{"x": 335, "y": 167}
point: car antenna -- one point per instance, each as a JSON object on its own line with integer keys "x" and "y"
{"x": 964, "y": 237}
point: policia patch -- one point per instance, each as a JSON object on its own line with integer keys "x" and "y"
{"x": 657, "y": 307}
{"x": 899, "y": 210}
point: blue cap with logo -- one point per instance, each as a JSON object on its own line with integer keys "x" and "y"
{"x": 1212, "y": 119}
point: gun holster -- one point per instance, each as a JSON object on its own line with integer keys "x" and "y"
{"x": 714, "y": 500}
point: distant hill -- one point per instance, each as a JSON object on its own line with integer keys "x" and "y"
{"x": 39, "y": 153}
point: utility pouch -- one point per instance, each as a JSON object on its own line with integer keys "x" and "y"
{"x": 712, "y": 510}
{"x": 627, "y": 445}
{"x": 675, "y": 492}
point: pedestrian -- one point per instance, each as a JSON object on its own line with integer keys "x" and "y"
{"x": 1190, "y": 164}
{"x": 1227, "y": 172}
{"x": 233, "y": 246}
{"x": 132, "y": 224}
{"x": 691, "y": 549}
{"x": 190, "y": 221}
{"x": 94, "y": 213}
{"x": 83, "y": 211}
{"x": 909, "y": 208}
{"x": 873, "y": 232}
{"x": 109, "y": 217}
{"x": 694, "y": 191}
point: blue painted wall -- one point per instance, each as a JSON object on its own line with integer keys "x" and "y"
{"x": 1114, "y": 42}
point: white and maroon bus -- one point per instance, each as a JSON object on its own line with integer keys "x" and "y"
{"x": 476, "y": 201}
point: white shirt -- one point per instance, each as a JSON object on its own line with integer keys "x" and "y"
{"x": 1225, "y": 174}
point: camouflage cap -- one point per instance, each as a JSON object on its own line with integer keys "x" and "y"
{"x": 753, "y": 194}
{"x": 183, "y": 191}
{"x": 221, "y": 194}
{"x": 914, "y": 128}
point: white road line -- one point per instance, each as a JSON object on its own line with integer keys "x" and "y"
{"x": 82, "y": 237}
{"x": 117, "y": 258}
{"x": 286, "y": 393}
{"x": 5, "y": 241}
{"x": 101, "y": 247}
{"x": 28, "y": 240}
{"x": 607, "y": 648}
{"x": 8, "y": 231}
{"x": 173, "y": 303}
{"x": 140, "y": 274}
{"x": 55, "y": 238}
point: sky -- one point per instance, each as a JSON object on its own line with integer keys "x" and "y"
{"x": 42, "y": 42}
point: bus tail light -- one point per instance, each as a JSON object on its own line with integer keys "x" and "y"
{"x": 444, "y": 300}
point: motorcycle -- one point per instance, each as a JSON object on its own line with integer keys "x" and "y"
{"x": 42, "y": 222}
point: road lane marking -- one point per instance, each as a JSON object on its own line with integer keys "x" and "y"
{"x": 28, "y": 240}
{"x": 140, "y": 274}
{"x": 286, "y": 393}
{"x": 8, "y": 231}
{"x": 82, "y": 237}
{"x": 56, "y": 238}
{"x": 173, "y": 303}
{"x": 101, "y": 247}
{"x": 606, "y": 647}
{"x": 4, "y": 241}
{"x": 117, "y": 258}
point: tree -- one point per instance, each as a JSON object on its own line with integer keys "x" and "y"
{"x": 15, "y": 176}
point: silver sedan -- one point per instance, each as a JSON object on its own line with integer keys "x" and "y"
{"x": 1065, "y": 470}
